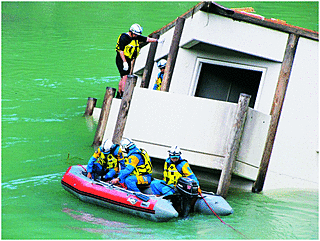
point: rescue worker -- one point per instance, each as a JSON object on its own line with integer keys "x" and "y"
{"x": 174, "y": 168}
{"x": 109, "y": 157}
{"x": 161, "y": 65}
{"x": 127, "y": 51}
{"x": 138, "y": 167}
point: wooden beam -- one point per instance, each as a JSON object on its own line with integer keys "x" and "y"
{"x": 91, "y": 103}
{"x": 233, "y": 144}
{"x": 212, "y": 7}
{"x": 172, "y": 56}
{"x": 275, "y": 113}
{"x": 149, "y": 63}
{"x": 124, "y": 109}
{"x": 104, "y": 115}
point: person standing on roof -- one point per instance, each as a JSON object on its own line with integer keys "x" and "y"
{"x": 109, "y": 158}
{"x": 174, "y": 168}
{"x": 138, "y": 167}
{"x": 161, "y": 65}
{"x": 127, "y": 51}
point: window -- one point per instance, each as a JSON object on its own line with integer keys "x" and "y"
{"x": 226, "y": 81}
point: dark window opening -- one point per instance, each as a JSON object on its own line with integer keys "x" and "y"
{"x": 226, "y": 83}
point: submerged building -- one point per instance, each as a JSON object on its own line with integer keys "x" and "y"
{"x": 220, "y": 54}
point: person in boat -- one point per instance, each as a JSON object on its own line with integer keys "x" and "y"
{"x": 105, "y": 161}
{"x": 161, "y": 65}
{"x": 127, "y": 51}
{"x": 138, "y": 167}
{"x": 174, "y": 168}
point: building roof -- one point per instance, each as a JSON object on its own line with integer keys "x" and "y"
{"x": 214, "y": 8}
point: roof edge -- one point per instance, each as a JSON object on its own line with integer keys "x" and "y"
{"x": 214, "y": 8}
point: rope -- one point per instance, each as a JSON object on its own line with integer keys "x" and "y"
{"x": 82, "y": 167}
{"x": 220, "y": 218}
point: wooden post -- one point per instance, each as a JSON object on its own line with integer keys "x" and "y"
{"x": 234, "y": 144}
{"x": 124, "y": 109}
{"x": 104, "y": 114}
{"x": 275, "y": 113}
{"x": 149, "y": 63}
{"x": 91, "y": 103}
{"x": 172, "y": 56}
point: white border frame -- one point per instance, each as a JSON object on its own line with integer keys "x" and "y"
{"x": 198, "y": 66}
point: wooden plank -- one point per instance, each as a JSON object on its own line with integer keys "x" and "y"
{"x": 104, "y": 114}
{"x": 124, "y": 109}
{"x": 276, "y": 109}
{"x": 149, "y": 63}
{"x": 215, "y": 8}
{"x": 233, "y": 145}
{"x": 91, "y": 103}
{"x": 172, "y": 56}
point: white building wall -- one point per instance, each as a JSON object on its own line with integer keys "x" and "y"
{"x": 295, "y": 156}
{"x": 295, "y": 153}
{"x": 239, "y": 36}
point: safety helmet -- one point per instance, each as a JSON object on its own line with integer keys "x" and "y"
{"x": 136, "y": 29}
{"x": 162, "y": 63}
{"x": 174, "y": 151}
{"x": 106, "y": 145}
{"x": 127, "y": 144}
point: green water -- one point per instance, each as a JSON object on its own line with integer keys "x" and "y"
{"x": 57, "y": 54}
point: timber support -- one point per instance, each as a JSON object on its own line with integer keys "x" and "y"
{"x": 172, "y": 56}
{"x": 91, "y": 103}
{"x": 149, "y": 63}
{"x": 275, "y": 113}
{"x": 124, "y": 109}
{"x": 233, "y": 144}
{"x": 104, "y": 114}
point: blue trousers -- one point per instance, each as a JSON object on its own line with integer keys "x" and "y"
{"x": 159, "y": 187}
{"x": 131, "y": 182}
{"x": 98, "y": 170}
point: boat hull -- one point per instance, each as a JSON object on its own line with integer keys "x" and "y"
{"x": 151, "y": 207}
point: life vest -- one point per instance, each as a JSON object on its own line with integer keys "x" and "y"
{"x": 131, "y": 50}
{"x": 108, "y": 162}
{"x": 159, "y": 81}
{"x": 145, "y": 168}
{"x": 171, "y": 173}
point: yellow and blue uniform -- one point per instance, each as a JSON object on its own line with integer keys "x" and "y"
{"x": 157, "y": 84}
{"x": 106, "y": 163}
{"x": 138, "y": 169}
{"x": 172, "y": 172}
{"x": 131, "y": 48}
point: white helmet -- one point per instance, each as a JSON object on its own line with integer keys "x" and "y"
{"x": 127, "y": 144}
{"x": 162, "y": 63}
{"x": 106, "y": 146}
{"x": 174, "y": 151}
{"x": 136, "y": 29}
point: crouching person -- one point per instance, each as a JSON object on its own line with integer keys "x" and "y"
{"x": 174, "y": 168}
{"x": 138, "y": 167}
{"x": 106, "y": 161}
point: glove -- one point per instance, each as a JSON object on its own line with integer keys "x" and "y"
{"x": 199, "y": 191}
{"x": 125, "y": 66}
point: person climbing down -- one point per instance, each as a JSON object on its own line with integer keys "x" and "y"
{"x": 105, "y": 161}
{"x": 128, "y": 49}
{"x": 174, "y": 168}
{"x": 138, "y": 167}
{"x": 161, "y": 65}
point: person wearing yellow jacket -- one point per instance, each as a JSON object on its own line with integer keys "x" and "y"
{"x": 138, "y": 167}
{"x": 105, "y": 161}
{"x": 128, "y": 49}
{"x": 174, "y": 168}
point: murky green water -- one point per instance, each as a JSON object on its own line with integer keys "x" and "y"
{"x": 57, "y": 54}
